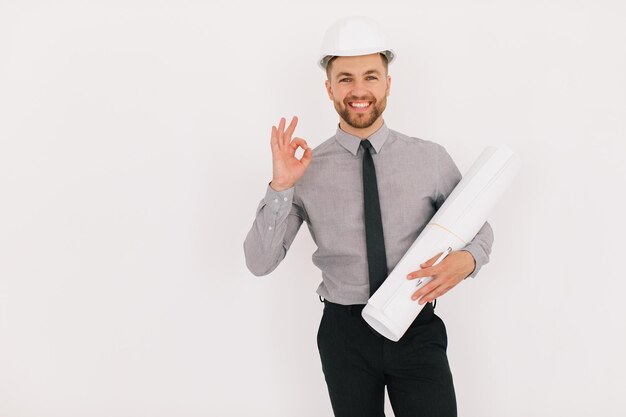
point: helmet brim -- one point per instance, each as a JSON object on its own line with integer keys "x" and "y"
{"x": 323, "y": 61}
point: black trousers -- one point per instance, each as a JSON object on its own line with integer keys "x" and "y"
{"x": 358, "y": 363}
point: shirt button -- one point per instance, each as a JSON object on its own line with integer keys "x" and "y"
{"x": 285, "y": 198}
{"x": 270, "y": 227}
{"x": 275, "y": 200}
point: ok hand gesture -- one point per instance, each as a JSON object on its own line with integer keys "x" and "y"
{"x": 287, "y": 169}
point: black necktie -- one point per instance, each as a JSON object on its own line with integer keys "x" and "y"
{"x": 376, "y": 258}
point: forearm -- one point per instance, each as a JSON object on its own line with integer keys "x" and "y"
{"x": 276, "y": 223}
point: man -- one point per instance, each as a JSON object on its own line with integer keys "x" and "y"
{"x": 327, "y": 189}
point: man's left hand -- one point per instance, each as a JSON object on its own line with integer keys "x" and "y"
{"x": 453, "y": 269}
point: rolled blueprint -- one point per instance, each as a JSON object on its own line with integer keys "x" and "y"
{"x": 390, "y": 310}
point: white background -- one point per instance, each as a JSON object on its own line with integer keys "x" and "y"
{"x": 134, "y": 150}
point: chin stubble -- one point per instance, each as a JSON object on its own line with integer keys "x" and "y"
{"x": 358, "y": 122}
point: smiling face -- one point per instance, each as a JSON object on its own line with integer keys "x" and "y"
{"x": 359, "y": 86}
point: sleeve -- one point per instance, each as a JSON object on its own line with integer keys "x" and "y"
{"x": 448, "y": 177}
{"x": 277, "y": 222}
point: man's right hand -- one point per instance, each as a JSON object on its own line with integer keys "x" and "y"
{"x": 287, "y": 169}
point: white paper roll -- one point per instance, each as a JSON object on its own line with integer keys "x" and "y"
{"x": 390, "y": 310}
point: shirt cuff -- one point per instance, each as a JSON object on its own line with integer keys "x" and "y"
{"x": 476, "y": 253}
{"x": 279, "y": 202}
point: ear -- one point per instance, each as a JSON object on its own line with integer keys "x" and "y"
{"x": 388, "y": 85}
{"x": 329, "y": 89}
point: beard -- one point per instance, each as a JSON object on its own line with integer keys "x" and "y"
{"x": 360, "y": 120}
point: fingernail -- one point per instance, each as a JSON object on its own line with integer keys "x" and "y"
{"x": 408, "y": 276}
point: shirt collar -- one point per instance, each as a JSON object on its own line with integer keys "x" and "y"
{"x": 352, "y": 143}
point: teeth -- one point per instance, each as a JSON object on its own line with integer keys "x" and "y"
{"x": 360, "y": 105}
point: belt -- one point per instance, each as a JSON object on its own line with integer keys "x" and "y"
{"x": 425, "y": 315}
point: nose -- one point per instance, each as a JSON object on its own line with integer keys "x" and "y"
{"x": 359, "y": 89}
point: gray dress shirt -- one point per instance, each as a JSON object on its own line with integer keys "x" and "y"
{"x": 414, "y": 176}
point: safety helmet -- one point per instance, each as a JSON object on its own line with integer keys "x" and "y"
{"x": 351, "y": 36}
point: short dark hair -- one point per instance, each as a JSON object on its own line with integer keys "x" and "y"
{"x": 385, "y": 64}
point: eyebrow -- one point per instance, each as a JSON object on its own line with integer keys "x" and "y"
{"x": 372, "y": 71}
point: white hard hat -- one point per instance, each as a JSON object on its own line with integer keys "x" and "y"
{"x": 351, "y": 36}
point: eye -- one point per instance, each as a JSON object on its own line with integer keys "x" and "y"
{"x": 343, "y": 79}
{"x": 371, "y": 76}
